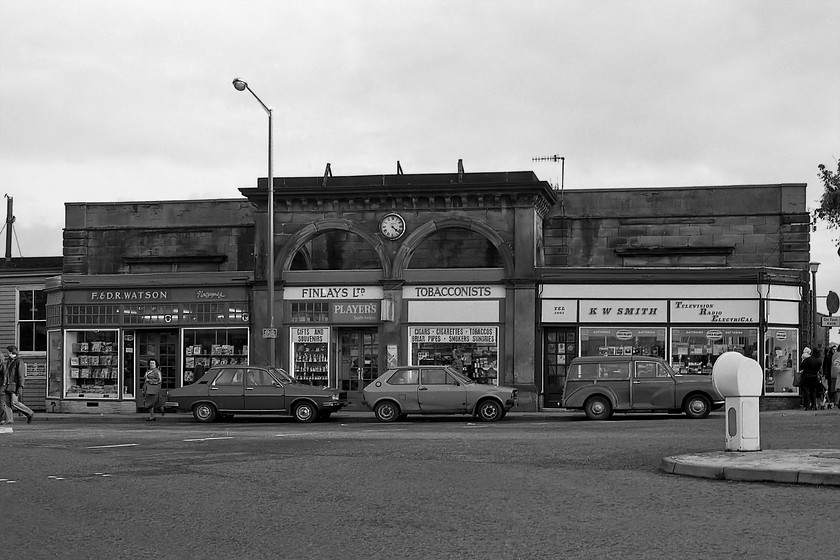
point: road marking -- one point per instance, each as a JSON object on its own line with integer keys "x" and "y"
{"x": 115, "y": 445}
{"x": 209, "y": 438}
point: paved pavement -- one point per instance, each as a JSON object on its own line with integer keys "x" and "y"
{"x": 794, "y": 466}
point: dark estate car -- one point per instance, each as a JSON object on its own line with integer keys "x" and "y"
{"x": 435, "y": 390}
{"x": 239, "y": 389}
{"x": 601, "y": 385}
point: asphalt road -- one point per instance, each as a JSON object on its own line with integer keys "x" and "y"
{"x": 526, "y": 487}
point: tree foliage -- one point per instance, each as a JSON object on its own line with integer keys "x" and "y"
{"x": 829, "y": 208}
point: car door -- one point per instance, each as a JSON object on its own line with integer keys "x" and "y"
{"x": 263, "y": 393}
{"x": 439, "y": 392}
{"x": 228, "y": 389}
{"x": 653, "y": 387}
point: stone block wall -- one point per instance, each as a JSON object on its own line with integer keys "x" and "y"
{"x": 738, "y": 226}
{"x": 106, "y": 238}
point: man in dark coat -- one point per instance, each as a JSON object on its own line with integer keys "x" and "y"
{"x": 811, "y": 369}
{"x": 13, "y": 387}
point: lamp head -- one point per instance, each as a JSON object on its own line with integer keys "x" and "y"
{"x": 240, "y": 84}
{"x": 814, "y": 266}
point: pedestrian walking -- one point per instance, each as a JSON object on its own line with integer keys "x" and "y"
{"x": 831, "y": 380}
{"x": 5, "y": 407}
{"x": 152, "y": 389}
{"x": 13, "y": 387}
{"x": 811, "y": 368}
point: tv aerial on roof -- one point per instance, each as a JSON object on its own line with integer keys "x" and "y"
{"x": 555, "y": 158}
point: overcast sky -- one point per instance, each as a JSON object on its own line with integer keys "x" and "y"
{"x": 132, "y": 100}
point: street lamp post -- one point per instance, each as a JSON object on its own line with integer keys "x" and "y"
{"x": 813, "y": 267}
{"x": 271, "y": 332}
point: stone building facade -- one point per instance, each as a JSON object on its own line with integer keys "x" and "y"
{"x": 498, "y": 274}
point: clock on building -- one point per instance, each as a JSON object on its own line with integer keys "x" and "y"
{"x": 392, "y": 226}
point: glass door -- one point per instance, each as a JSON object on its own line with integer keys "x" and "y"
{"x": 560, "y": 348}
{"x": 162, "y": 346}
{"x": 357, "y": 362}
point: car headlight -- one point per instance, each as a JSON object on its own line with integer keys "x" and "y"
{"x": 334, "y": 397}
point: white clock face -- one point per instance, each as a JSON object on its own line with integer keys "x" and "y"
{"x": 392, "y": 226}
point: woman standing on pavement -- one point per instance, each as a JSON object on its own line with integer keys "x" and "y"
{"x": 811, "y": 368}
{"x": 152, "y": 389}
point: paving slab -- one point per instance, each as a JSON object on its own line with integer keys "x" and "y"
{"x": 791, "y": 466}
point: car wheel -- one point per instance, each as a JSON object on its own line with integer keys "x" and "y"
{"x": 204, "y": 412}
{"x": 489, "y": 411}
{"x": 305, "y": 412}
{"x": 597, "y": 408}
{"x": 387, "y": 411}
{"x": 697, "y": 406}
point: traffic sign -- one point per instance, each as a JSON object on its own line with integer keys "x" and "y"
{"x": 269, "y": 333}
{"x": 832, "y": 302}
{"x": 830, "y": 321}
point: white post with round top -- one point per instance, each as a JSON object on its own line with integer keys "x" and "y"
{"x": 739, "y": 379}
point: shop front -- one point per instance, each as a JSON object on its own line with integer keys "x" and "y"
{"x": 107, "y": 336}
{"x": 691, "y": 333}
{"x": 457, "y": 325}
{"x": 333, "y": 336}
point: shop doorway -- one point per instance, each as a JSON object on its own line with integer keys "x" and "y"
{"x": 161, "y": 345}
{"x": 357, "y": 362}
{"x": 561, "y": 347}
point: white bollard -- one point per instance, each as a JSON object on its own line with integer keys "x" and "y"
{"x": 738, "y": 379}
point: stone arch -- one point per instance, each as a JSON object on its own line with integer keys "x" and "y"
{"x": 297, "y": 241}
{"x": 413, "y": 241}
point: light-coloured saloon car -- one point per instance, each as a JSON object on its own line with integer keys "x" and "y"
{"x": 435, "y": 390}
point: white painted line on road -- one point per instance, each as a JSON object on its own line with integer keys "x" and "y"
{"x": 209, "y": 438}
{"x": 115, "y": 445}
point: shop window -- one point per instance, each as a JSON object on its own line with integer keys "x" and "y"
{"x": 310, "y": 352}
{"x": 473, "y": 351}
{"x": 32, "y": 320}
{"x": 92, "y": 314}
{"x": 154, "y": 314}
{"x": 310, "y": 312}
{"x": 205, "y": 348}
{"x": 622, "y": 341}
{"x": 695, "y": 350}
{"x": 215, "y": 312}
{"x": 92, "y": 364}
{"x": 55, "y": 358}
{"x": 781, "y": 360}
